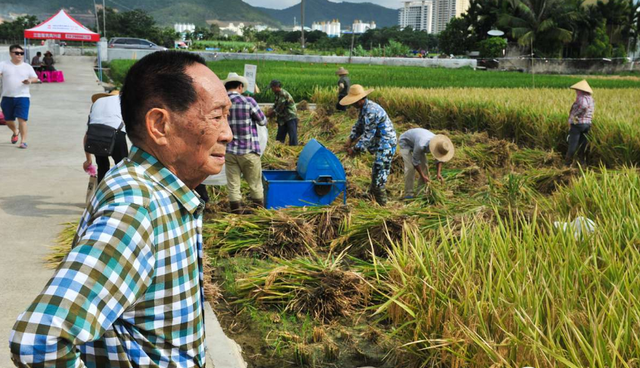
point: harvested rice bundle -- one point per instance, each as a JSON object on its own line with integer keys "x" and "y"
{"x": 62, "y": 245}
{"x": 289, "y": 236}
{"x": 314, "y": 286}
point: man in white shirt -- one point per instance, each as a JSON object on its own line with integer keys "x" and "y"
{"x": 16, "y": 78}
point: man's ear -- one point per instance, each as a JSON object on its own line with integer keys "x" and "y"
{"x": 157, "y": 123}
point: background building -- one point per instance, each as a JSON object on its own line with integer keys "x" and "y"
{"x": 417, "y": 15}
{"x": 359, "y": 27}
{"x": 431, "y": 16}
{"x": 184, "y": 27}
{"x": 332, "y": 29}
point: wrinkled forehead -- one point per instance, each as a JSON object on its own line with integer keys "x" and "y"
{"x": 210, "y": 90}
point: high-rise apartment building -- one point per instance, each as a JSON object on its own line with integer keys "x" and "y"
{"x": 417, "y": 15}
{"x": 430, "y": 15}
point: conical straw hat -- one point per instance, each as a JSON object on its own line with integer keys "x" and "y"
{"x": 342, "y": 71}
{"x": 356, "y": 93}
{"x": 441, "y": 148}
{"x": 582, "y": 86}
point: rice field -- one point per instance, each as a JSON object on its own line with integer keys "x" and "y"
{"x": 480, "y": 271}
{"x": 301, "y": 79}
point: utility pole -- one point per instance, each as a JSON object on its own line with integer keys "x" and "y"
{"x": 302, "y": 24}
{"x": 104, "y": 20}
{"x": 95, "y": 11}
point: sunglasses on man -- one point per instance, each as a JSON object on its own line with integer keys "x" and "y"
{"x": 18, "y": 53}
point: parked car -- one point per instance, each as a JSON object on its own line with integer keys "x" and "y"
{"x": 134, "y": 43}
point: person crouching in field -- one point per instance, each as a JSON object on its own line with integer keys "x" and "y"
{"x": 414, "y": 144}
{"x": 580, "y": 118}
{"x": 375, "y": 133}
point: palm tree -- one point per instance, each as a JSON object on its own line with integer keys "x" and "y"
{"x": 542, "y": 25}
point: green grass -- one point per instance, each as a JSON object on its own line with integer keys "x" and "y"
{"x": 300, "y": 79}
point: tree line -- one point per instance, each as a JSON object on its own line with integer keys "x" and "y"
{"x": 546, "y": 28}
{"x": 549, "y": 28}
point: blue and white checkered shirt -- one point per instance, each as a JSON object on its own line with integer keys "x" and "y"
{"x": 130, "y": 293}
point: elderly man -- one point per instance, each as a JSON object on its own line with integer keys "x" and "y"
{"x": 414, "y": 145}
{"x": 373, "y": 132}
{"x": 16, "y": 78}
{"x": 243, "y": 153}
{"x": 130, "y": 293}
{"x": 284, "y": 109}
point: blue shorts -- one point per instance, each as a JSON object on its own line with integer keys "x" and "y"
{"x": 13, "y": 107}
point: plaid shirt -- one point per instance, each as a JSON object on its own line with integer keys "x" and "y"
{"x": 582, "y": 110}
{"x": 129, "y": 293}
{"x": 243, "y": 117}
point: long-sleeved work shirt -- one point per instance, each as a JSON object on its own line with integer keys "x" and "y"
{"x": 285, "y": 107}
{"x": 244, "y": 116}
{"x": 129, "y": 293}
{"x": 582, "y": 109}
{"x": 416, "y": 140}
{"x": 374, "y": 128}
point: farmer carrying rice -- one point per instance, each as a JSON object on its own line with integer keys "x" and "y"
{"x": 414, "y": 145}
{"x": 580, "y": 122}
{"x": 373, "y": 132}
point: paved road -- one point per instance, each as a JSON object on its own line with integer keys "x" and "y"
{"x": 41, "y": 187}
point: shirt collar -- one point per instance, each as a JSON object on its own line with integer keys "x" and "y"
{"x": 163, "y": 176}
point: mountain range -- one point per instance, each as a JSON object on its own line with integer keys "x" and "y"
{"x": 324, "y": 10}
{"x": 167, "y": 12}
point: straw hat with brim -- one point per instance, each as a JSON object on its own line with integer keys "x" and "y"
{"x": 356, "y": 93}
{"x": 98, "y": 96}
{"x": 582, "y": 86}
{"x": 234, "y": 77}
{"x": 342, "y": 71}
{"x": 441, "y": 148}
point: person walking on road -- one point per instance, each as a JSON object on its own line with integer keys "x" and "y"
{"x": 243, "y": 153}
{"x": 130, "y": 292}
{"x": 580, "y": 118}
{"x": 284, "y": 109}
{"x": 16, "y": 78}
{"x": 414, "y": 145}
{"x": 373, "y": 132}
{"x": 343, "y": 87}
{"x": 106, "y": 111}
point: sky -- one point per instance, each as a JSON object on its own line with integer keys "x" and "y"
{"x": 281, "y": 4}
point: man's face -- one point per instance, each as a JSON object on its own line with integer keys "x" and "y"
{"x": 199, "y": 136}
{"x": 15, "y": 55}
{"x": 359, "y": 104}
{"x": 275, "y": 89}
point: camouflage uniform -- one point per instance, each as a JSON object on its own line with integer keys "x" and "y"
{"x": 378, "y": 136}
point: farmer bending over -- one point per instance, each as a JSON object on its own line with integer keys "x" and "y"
{"x": 414, "y": 145}
{"x": 373, "y": 132}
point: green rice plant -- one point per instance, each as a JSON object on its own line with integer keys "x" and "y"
{"x": 529, "y": 118}
{"x": 300, "y": 79}
{"x": 522, "y": 292}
